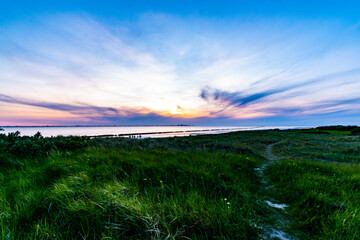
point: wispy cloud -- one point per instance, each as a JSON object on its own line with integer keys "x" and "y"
{"x": 237, "y": 99}
{"x": 83, "y": 109}
{"x": 102, "y": 115}
{"x": 251, "y": 96}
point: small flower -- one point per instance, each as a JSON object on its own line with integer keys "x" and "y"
{"x": 228, "y": 203}
{"x": 225, "y": 199}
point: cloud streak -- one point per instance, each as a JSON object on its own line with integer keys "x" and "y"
{"x": 78, "y": 109}
{"x": 240, "y": 100}
{"x": 102, "y": 115}
{"x": 237, "y": 99}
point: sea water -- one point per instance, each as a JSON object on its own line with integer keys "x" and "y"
{"x": 133, "y": 131}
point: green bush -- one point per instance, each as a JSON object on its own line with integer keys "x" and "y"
{"x": 338, "y": 127}
{"x": 355, "y": 131}
{"x": 30, "y": 146}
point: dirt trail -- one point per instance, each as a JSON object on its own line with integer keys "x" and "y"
{"x": 276, "y": 230}
{"x": 269, "y": 154}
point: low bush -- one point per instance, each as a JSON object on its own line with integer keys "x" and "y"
{"x": 29, "y": 146}
{"x": 338, "y": 127}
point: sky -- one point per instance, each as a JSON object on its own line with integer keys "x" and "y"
{"x": 239, "y": 63}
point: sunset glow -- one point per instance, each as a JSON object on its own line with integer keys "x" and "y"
{"x": 156, "y": 65}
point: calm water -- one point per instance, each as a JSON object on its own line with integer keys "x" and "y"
{"x": 144, "y": 131}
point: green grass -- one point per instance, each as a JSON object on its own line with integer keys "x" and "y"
{"x": 318, "y": 131}
{"x": 111, "y": 193}
{"x": 326, "y": 148}
{"x": 202, "y": 187}
{"x": 323, "y": 197}
{"x": 294, "y": 144}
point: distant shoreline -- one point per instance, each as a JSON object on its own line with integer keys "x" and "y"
{"x": 179, "y": 125}
{"x": 138, "y": 131}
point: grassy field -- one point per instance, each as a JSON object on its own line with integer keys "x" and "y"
{"x": 323, "y": 197}
{"x": 203, "y": 187}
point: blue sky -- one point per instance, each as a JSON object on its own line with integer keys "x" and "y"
{"x": 192, "y": 62}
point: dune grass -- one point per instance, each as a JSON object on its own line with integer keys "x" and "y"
{"x": 334, "y": 147}
{"x": 103, "y": 193}
{"x": 202, "y": 187}
{"x": 319, "y": 177}
{"x": 322, "y": 197}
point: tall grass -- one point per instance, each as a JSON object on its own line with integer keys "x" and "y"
{"x": 102, "y": 193}
{"x": 323, "y": 197}
{"x": 326, "y": 148}
{"x": 201, "y": 187}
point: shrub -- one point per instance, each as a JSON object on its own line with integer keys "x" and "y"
{"x": 356, "y": 131}
{"x": 37, "y": 145}
{"x": 338, "y": 127}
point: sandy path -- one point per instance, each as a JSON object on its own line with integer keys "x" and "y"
{"x": 274, "y": 231}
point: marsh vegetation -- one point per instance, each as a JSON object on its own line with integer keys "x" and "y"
{"x": 199, "y": 187}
